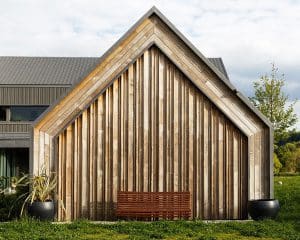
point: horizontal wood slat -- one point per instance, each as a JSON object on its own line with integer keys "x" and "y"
{"x": 166, "y": 205}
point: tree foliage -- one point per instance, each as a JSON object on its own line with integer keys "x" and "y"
{"x": 270, "y": 99}
{"x": 289, "y": 155}
{"x": 277, "y": 164}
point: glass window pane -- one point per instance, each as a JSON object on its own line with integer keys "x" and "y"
{"x": 26, "y": 113}
{"x": 2, "y": 113}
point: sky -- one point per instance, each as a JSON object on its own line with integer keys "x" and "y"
{"x": 249, "y": 35}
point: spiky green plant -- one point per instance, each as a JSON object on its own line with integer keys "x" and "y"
{"x": 14, "y": 182}
{"x": 41, "y": 189}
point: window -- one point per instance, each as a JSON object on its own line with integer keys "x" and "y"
{"x": 2, "y": 113}
{"x": 13, "y": 162}
{"x": 26, "y": 113}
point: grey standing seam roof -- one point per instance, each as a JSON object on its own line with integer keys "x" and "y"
{"x": 55, "y": 70}
{"x": 45, "y": 70}
{"x": 218, "y": 62}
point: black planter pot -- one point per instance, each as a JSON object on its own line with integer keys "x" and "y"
{"x": 263, "y": 208}
{"x": 44, "y": 211}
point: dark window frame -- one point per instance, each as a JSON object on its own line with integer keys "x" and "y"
{"x": 6, "y": 116}
{"x": 35, "y": 111}
{"x": 9, "y": 113}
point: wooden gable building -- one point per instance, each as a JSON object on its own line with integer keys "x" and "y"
{"x": 155, "y": 115}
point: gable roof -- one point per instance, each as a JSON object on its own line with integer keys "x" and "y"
{"x": 56, "y": 70}
{"x": 151, "y": 37}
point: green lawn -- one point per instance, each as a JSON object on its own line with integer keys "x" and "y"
{"x": 287, "y": 226}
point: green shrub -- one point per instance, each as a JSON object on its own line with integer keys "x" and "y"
{"x": 10, "y": 205}
{"x": 277, "y": 164}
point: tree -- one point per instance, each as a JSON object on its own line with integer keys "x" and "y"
{"x": 270, "y": 99}
{"x": 289, "y": 155}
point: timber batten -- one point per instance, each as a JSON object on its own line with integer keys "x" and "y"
{"x": 120, "y": 153}
{"x": 154, "y": 117}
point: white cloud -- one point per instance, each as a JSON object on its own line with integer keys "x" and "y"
{"x": 248, "y": 34}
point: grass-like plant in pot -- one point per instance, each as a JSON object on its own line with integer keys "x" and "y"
{"x": 40, "y": 198}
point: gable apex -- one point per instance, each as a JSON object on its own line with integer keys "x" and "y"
{"x": 146, "y": 28}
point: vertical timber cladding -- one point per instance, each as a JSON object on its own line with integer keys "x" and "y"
{"x": 152, "y": 130}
